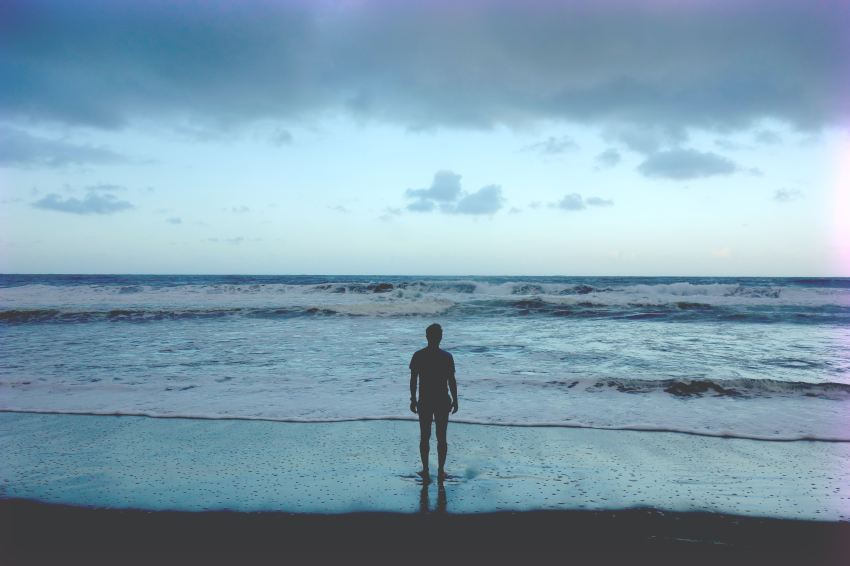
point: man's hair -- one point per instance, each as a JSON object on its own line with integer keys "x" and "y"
{"x": 434, "y": 333}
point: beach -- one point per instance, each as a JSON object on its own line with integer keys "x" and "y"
{"x": 205, "y": 418}
{"x": 254, "y": 254}
{"x": 100, "y": 487}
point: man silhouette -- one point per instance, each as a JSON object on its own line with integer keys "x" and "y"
{"x": 435, "y": 369}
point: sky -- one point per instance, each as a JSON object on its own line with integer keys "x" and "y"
{"x": 691, "y": 138}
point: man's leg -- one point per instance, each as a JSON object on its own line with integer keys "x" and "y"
{"x": 425, "y": 415}
{"x": 441, "y": 419}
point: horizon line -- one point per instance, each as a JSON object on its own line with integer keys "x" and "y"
{"x": 164, "y": 274}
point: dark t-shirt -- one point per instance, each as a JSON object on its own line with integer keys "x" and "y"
{"x": 434, "y": 367}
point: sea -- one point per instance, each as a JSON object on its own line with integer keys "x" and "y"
{"x": 757, "y": 358}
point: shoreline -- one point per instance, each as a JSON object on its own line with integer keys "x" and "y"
{"x": 368, "y": 466}
{"x": 36, "y": 533}
{"x": 395, "y": 418}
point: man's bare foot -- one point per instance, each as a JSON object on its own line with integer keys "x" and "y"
{"x": 425, "y": 475}
{"x": 441, "y": 475}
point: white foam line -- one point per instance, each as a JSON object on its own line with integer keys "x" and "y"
{"x": 723, "y": 435}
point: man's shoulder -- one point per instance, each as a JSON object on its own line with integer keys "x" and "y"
{"x": 426, "y": 351}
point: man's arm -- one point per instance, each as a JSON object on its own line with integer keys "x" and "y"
{"x": 453, "y": 387}
{"x": 413, "y": 376}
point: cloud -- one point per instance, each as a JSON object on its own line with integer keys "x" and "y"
{"x": 282, "y": 137}
{"x": 608, "y": 158}
{"x": 240, "y": 209}
{"x": 233, "y": 241}
{"x": 728, "y": 145}
{"x": 390, "y": 213}
{"x": 174, "y": 220}
{"x": 574, "y": 201}
{"x": 445, "y": 187}
{"x": 646, "y": 138}
{"x": 786, "y": 195}
{"x": 339, "y": 208}
{"x": 767, "y": 137}
{"x": 421, "y": 205}
{"x": 719, "y": 65}
{"x": 445, "y": 194}
{"x": 486, "y": 200}
{"x": 686, "y": 164}
{"x": 92, "y": 203}
{"x": 106, "y": 188}
{"x": 21, "y": 149}
{"x": 553, "y": 146}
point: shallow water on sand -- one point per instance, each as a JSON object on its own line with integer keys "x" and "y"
{"x": 185, "y": 464}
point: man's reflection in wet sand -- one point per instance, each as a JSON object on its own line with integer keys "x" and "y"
{"x": 425, "y": 499}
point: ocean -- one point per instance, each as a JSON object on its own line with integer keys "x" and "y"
{"x": 754, "y": 358}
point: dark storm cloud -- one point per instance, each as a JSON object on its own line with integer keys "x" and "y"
{"x": 93, "y": 203}
{"x": 719, "y": 64}
{"x": 20, "y": 149}
{"x": 686, "y": 164}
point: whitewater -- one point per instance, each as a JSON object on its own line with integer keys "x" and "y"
{"x": 761, "y": 358}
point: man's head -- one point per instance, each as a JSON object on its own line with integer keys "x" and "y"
{"x": 434, "y": 334}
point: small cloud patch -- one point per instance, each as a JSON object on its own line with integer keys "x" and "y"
{"x": 681, "y": 164}
{"x": 486, "y": 200}
{"x": 21, "y": 149}
{"x": 596, "y": 201}
{"x": 786, "y": 195}
{"x": 767, "y": 137}
{"x": 553, "y": 146}
{"x": 92, "y": 203}
{"x": 282, "y": 137}
{"x": 421, "y": 205}
{"x": 445, "y": 188}
{"x": 574, "y": 201}
{"x": 608, "y": 158}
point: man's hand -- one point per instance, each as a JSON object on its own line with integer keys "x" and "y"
{"x": 454, "y": 406}
{"x": 412, "y": 406}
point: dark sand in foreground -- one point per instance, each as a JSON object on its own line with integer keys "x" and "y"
{"x": 35, "y": 533}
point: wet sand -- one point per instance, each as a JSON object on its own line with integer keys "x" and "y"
{"x": 123, "y": 489}
{"x": 201, "y": 465}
